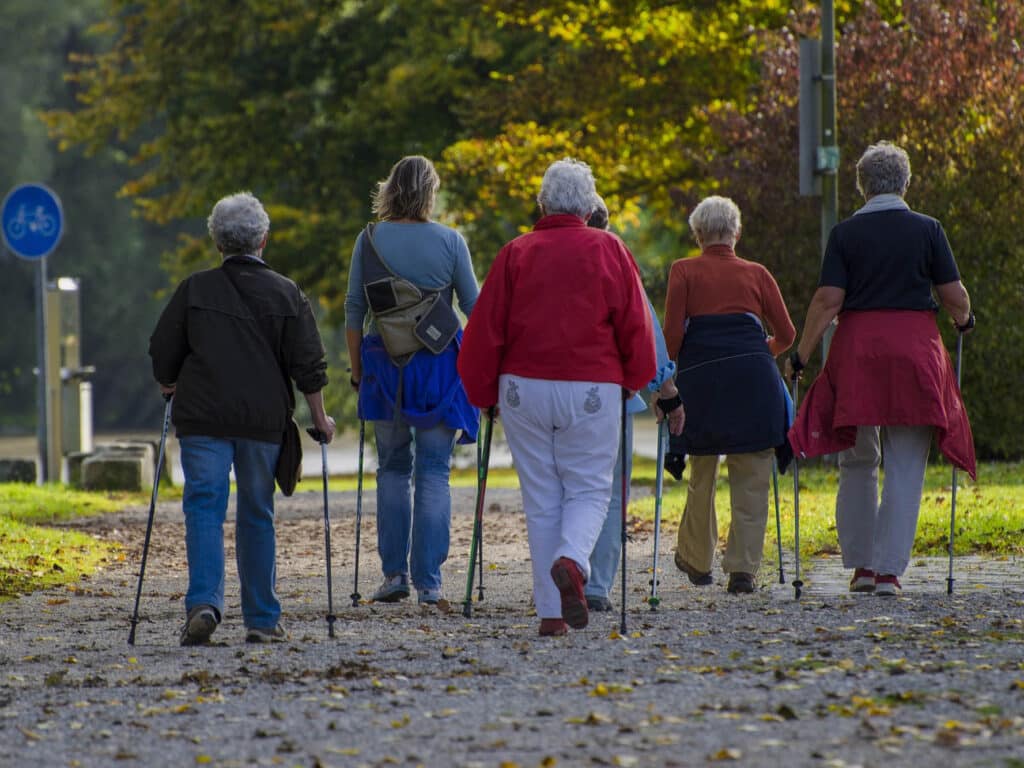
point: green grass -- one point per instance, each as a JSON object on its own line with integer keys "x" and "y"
{"x": 34, "y": 555}
{"x": 990, "y": 516}
{"x": 989, "y": 513}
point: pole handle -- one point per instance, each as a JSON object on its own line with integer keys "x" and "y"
{"x": 317, "y": 435}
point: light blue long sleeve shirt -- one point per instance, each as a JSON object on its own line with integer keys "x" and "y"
{"x": 427, "y": 254}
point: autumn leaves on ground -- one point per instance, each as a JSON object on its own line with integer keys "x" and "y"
{"x": 832, "y": 679}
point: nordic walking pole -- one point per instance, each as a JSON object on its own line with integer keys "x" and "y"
{"x": 478, "y": 518}
{"x": 356, "y": 597}
{"x": 321, "y": 438}
{"x": 659, "y": 479}
{"x": 952, "y": 509}
{"x": 480, "y": 531}
{"x": 797, "y": 583}
{"x": 152, "y": 510}
{"x": 625, "y": 503}
{"x": 778, "y": 517}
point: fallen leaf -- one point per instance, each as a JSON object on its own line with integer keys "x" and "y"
{"x": 729, "y": 753}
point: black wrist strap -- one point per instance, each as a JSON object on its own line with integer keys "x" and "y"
{"x": 795, "y": 362}
{"x": 968, "y": 325}
{"x": 669, "y": 404}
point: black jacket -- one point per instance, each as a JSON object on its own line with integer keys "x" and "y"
{"x": 232, "y": 352}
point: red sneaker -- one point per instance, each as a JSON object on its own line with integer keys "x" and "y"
{"x": 553, "y": 628}
{"x": 569, "y": 579}
{"x": 863, "y": 580}
{"x": 887, "y": 585}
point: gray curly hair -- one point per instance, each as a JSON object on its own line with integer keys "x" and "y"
{"x": 716, "y": 219}
{"x": 238, "y": 224}
{"x": 568, "y": 187}
{"x": 884, "y": 168}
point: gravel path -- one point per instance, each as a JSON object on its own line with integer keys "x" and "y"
{"x": 831, "y": 680}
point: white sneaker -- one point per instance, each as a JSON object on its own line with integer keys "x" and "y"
{"x": 863, "y": 580}
{"x": 887, "y": 585}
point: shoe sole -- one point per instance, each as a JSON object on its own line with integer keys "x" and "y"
{"x": 393, "y": 597}
{"x": 574, "y": 608}
{"x": 862, "y": 588}
{"x": 886, "y": 591}
{"x": 252, "y": 637}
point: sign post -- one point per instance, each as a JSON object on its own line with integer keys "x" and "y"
{"x": 32, "y": 222}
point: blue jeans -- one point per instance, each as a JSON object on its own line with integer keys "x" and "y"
{"x": 413, "y": 530}
{"x": 207, "y": 462}
{"x": 604, "y": 560}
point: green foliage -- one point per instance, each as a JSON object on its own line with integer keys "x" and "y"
{"x": 111, "y": 252}
{"x": 309, "y": 103}
{"x": 944, "y": 80}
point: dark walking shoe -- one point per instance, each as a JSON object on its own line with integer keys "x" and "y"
{"x": 199, "y": 625}
{"x": 553, "y": 628}
{"x": 275, "y": 634}
{"x": 696, "y": 578}
{"x": 393, "y": 589}
{"x": 740, "y": 583}
{"x": 863, "y": 580}
{"x": 569, "y": 580}
{"x": 598, "y": 603}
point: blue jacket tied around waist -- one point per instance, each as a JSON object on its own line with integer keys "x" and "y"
{"x": 735, "y": 399}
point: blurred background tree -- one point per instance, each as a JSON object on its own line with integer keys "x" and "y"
{"x": 309, "y": 103}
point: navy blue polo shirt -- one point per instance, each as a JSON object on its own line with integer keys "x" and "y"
{"x": 888, "y": 260}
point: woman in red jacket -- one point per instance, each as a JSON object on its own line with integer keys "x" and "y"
{"x": 561, "y": 327}
{"x": 888, "y": 384}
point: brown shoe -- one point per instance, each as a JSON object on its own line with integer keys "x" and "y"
{"x": 569, "y": 579}
{"x": 740, "y": 583}
{"x": 553, "y": 628}
{"x": 696, "y": 578}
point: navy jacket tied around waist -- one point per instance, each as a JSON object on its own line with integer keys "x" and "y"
{"x": 734, "y": 397}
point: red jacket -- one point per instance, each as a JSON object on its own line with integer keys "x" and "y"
{"x": 884, "y": 367}
{"x": 563, "y": 302}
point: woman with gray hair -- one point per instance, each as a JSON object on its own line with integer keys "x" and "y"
{"x": 725, "y": 322}
{"x": 561, "y": 329}
{"x": 888, "y": 384}
{"x": 227, "y": 347}
{"x": 410, "y": 392}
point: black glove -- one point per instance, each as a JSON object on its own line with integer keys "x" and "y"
{"x": 675, "y": 463}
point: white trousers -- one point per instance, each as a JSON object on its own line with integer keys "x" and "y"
{"x": 874, "y": 535}
{"x": 564, "y": 437}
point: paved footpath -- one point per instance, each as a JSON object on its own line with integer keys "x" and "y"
{"x": 833, "y": 679}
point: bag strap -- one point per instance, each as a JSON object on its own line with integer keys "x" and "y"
{"x": 375, "y": 268}
{"x": 255, "y": 316}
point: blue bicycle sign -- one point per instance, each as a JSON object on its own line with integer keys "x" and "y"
{"x": 32, "y": 221}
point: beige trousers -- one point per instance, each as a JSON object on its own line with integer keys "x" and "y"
{"x": 749, "y": 475}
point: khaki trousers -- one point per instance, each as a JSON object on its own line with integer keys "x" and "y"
{"x": 749, "y": 475}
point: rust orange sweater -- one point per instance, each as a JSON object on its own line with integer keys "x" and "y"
{"x": 719, "y": 282}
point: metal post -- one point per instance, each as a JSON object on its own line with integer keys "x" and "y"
{"x": 829, "y": 163}
{"x": 42, "y": 423}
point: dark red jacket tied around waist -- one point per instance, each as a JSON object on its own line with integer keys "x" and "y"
{"x": 884, "y": 367}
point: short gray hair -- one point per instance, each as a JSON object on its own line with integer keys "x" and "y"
{"x": 238, "y": 224}
{"x": 883, "y": 169}
{"x": 409, "y": 190}
{"x": 568, "y": 187}
{"x": 715, "y": 219}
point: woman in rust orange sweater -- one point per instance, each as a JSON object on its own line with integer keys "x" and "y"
{"x": 725, "y": 322}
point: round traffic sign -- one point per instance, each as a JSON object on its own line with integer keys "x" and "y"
{"x": 32, "y": 220}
